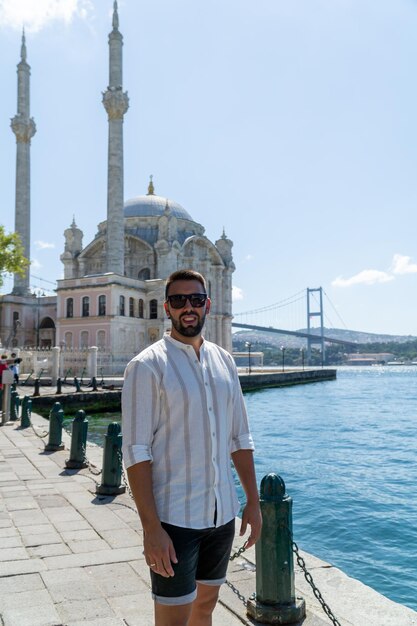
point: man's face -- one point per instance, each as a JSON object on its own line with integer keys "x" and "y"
{"x": 187, "y": 321}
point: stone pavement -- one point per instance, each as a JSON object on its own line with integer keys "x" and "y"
{"x": 69, "y": 557}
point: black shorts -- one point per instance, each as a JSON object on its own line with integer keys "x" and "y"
{"x": 203, "y": 556}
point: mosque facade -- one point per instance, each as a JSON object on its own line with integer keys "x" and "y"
{"x": 112, "y": 292}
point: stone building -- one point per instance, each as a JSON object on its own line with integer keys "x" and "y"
{"x": 112, "y": 292}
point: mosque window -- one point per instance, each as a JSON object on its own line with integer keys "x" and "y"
{"x": 121, "y": 305}
{"x": 84, "y": 339}
{"x": 70, "y": 307}
{"x": 102, "y": 305}
{"x": 153, "y": 309}
{"x": 86, "y": 306}
{"x": 101, "y": 339}
{"x": 131, "y": 307}
{"x": 140, "y": 313}
{"x": 144, "y": 274}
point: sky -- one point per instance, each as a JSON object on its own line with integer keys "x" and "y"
{"x": 289, "y": 123}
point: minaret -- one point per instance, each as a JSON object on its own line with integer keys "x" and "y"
{"x": 116, "y": 104}
{"x": 24, "y": 128}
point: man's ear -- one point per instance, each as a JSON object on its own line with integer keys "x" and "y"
{"x": 208, "y": 305}
{"x": 167, "y": 310}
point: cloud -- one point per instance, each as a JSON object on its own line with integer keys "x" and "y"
{"x": 237, "y": 293}
{"x": 366, "y": 277}
{"x": 400, "y": 265}
{"x": 403, "y": 265}
{"x": 249, "y": 257}
{"x": 43, "y": 245}
{"x": 35, "y": 265}
{"x": 35, "y": 14}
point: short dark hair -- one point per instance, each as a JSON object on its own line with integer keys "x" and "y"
{"x": 184, "y": 275}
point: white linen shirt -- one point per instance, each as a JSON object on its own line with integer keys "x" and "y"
{"x": 186, "y": 415}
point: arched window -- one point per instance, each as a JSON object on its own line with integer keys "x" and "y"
{"x": 85, "y": 306}
{"x": 131, "y": 307}
{"x": 68, "y": 340}
{"x": 101, "y": 339}
{"x": 70, "y": 307}
{"x": 140, "y": 313}
{"x": 121, "y": 305}
{"x": 102, "y": 305}
{"x": 153, "y": 309}
{"x": 84, "y": 339}
{"x": 144, "y": 274}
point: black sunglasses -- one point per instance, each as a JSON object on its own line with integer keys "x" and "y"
{"x": 179, "y": 300}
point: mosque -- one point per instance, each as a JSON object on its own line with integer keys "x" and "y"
{"x": 112, "y": 292}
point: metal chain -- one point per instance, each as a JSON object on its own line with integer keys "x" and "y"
{"x": 240, "y": 595}
{"x": 124, "y": 477}
{"x": 37, "y": 434}
{"x": 309, "y": 579}
{"x": 90, "y": 466}
{"x": 239, "y": 552}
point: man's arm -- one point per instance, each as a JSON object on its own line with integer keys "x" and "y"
{"x": 157, "y": 545}
{"x": 243, "y": 462}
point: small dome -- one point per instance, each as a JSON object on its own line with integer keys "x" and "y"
{"x": 154, "y": 206}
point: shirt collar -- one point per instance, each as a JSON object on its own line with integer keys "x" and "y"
{"x": 180, "y": 344}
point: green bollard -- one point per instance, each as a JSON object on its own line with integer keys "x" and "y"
{"x": 94, "y": 383}
{"x": 26, "y": 412}
{"x": 78, "y": 457}
{"x": 36, "y": 387}
{"x": 58, "y": 387}
{"x": 77, "y": 385}
{"x": 275, "y": 601}
{"x": 111, "y": 476}
{"x": 14, "y": 406}
{"x": 56, "y": 419}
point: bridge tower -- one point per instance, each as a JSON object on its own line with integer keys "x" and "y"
{"x": 315, "y": 309}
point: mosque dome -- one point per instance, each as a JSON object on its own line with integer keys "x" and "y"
{"x": 153, "y": 206}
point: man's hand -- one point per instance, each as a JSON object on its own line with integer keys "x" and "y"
{"x": 252, "y": 516}
{"x": 159, "y": 551}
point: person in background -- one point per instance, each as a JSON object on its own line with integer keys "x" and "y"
{"x": 184, "y": 419}
{"x": 14, "y": 367}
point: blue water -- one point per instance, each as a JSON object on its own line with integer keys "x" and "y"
{"x": 347, "y": 451}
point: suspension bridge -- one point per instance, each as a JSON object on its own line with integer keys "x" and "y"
{"x": 305, "y": 310}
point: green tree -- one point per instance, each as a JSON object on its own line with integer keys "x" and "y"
{"x": 11, "y": 254}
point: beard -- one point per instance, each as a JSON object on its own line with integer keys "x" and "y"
{"x": 189, "y": 331}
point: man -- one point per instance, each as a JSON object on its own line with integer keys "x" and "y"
{"x": 183, "y": 419}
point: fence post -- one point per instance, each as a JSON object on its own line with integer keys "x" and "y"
{"x": 92, "y": 362}
{"x": 26, "y": 412}
{"x": 56, "y": 351}
{"x": 111, "y": 477}
{"x": 37, "y": 385}
{"x": 77, "y": 385}
{"x": 14, "y": 406}
{"x": 56, "y": 418}
{"x": 78, "y": 456}
{"x": 275, "y": 601}
{"x": 7, "y": 380}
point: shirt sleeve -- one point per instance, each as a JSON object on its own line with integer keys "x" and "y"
{"x": 140, "y": 412}
{"x": 241, "y": 435}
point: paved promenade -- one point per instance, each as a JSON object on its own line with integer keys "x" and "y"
{"x": 69, "y": 557}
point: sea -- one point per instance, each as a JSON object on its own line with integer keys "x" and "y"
{"x": 347, "y": 452}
